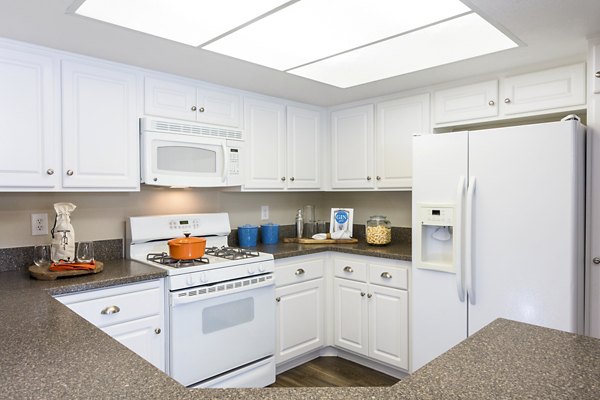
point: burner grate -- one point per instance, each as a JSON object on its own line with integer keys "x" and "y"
{"x": 165, "y": 259}
{"x": 231, "y": 253}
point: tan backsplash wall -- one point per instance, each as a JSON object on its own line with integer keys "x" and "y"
{"x": 102, "y": 215}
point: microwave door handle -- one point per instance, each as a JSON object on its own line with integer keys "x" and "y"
{"x": 224, "y": 176}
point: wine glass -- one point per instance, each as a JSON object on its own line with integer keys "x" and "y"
{"x": 41, "y": 255}
{"x": 85, "y": 252}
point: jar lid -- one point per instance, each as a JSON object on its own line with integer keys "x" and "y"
{"x": 377, "y": 217}
{"x": 247, "y": 226}
{"x": 270, "y": 224}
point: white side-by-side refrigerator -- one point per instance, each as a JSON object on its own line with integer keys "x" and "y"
{"x": 498, "y": 231}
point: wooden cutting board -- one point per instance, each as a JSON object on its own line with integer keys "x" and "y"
{"x": 43, "y": 274}
{"x": 324, "y": 241}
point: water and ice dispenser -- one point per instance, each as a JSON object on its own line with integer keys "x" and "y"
{"x": 435, "y": 235}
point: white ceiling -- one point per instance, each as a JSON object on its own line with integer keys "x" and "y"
{"x": 550, "y": 30}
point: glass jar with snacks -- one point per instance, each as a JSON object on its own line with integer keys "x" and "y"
{"x": 379, "y": 230}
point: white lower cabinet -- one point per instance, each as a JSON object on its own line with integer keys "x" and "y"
{"x": 300, "y": 293}
{"x": 132, "y": 314}
{"x": 371, "y": 315}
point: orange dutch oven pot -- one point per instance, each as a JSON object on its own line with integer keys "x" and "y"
{"x": 187, "y": 248}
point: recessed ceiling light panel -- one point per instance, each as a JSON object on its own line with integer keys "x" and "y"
{"x": 310, "y": 30}
{"x": 454, "y": 40}
{"x": 192, "y": 22}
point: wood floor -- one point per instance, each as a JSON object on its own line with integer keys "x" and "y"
{"x": 332, "y": 372}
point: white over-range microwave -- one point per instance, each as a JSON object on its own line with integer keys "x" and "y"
{"x": 187, "y": 154}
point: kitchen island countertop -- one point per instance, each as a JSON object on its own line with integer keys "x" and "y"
{"x": 50, "y": 352}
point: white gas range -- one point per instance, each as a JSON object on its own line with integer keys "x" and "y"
{"x": 221, "y": 307}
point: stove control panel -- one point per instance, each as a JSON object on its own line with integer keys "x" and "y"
{"x": 184, "y": 224}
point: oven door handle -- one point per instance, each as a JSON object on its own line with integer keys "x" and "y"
{"x": 204, "y": 293}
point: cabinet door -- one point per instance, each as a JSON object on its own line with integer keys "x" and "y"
{"x": 218, "y": 108}
{"x": 595, "y": 76}
{"x": 100, "y": 128}
{"x": 352, "y": 148}
{"x": 303, "y": 150}
{"x": 145, "y": 337}
{"x": 299, "y": 319}
{"x": 170, "y": 99}
{"x": 29, "y": 127}
{"x": 466, "y": 102}
{"x": 350, "y": 315}
{"x": 397, "y": 122}
{"x": 265, "y": 133}
{"x": 388, "y": 325}
{"x": 544, "y": 90}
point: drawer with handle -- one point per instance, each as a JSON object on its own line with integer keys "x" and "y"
{"x": 350, "y": 269}
{"x": 298, "y": 272}
{"x": 386, "y": 275}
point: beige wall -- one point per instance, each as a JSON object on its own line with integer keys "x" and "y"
{"x": 102, "y": 215}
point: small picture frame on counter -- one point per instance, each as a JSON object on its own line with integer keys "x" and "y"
{"x": 341, "y": 223}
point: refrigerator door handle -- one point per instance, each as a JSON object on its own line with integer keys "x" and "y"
{"x": 469, "y": 240}
{"x": 457, "y": 235}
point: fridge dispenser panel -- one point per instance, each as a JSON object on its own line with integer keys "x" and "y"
{"x": 436, "y": 237}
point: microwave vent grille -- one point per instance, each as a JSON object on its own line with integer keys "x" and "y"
{"x": 195, "y": 129}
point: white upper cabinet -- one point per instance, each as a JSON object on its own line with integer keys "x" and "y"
{"x": 29, "y": 122}
{"x": 397, "y": 121}
{"x": 183, "y": 100}
{"x": 595, "y": 68}
{"x": 352, "y": 148}
{"x": 303, "y": 149}
{"x": 544, "y": 90}
{"x": 536, "y": 93}
{"x": 463, "y": 103}
{"x": 100, "y": 128}
{"x": 282, "y": 146}
{"x": 264, "y": 124}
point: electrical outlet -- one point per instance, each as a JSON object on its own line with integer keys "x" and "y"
{"x": 264, "y": 213}
{"x": 39, "y": 224}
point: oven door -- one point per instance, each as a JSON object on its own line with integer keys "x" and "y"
{"x": 219, "y": 330}
{"x": 183, "y": 160}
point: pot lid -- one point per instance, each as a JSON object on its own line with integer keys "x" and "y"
{"x": 187, "y": 239}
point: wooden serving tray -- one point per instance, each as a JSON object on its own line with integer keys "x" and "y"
{"x": 43, "y": 274}
{"x": 323, "y": 241}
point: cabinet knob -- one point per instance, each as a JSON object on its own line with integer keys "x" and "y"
{"x": 157, "y": 331}
{"x": 596, "y": 260}
{"x": 378, "y": 178}
{"x": 70, "y": 172}
{"x": 201, "y": 109}
{"x": 278, "y": 299}
{"x": 362, "y": 294}
{"x": 50, "y": 171}
{"x": 369, "y": 295}
{"x": 386, "y": 275}
{"x": 299, "y": 271}
{"x": 110, "y": 310}
{"x": 348, "y": 269}
{"x": 283, "y": 179}
{"x": 507, "y": 100}
{"x": 597, "y": 74}
{"x": 292, "y": 179}
{"x": 491, "y": 103}
{"x": 194, "y": 108}
{"x": 368, "y": 178}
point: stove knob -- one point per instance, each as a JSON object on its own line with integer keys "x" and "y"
{"x": 203, "y": 278}
{"x": 250, "y": 269}
{"x": 261, "y": 268}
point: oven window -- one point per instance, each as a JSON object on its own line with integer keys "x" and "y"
{"x": 223, "y": 316}
{"x": 186, "y": 159}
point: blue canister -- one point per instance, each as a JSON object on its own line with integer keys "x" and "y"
{"x": 247, "y": 235}
{"x": 269, "y": 233}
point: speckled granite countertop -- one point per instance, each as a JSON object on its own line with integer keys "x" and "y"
{"x": 48, "y": 351}
{"x": 396, "y": 251}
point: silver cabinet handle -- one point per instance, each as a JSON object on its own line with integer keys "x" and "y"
{"x": 491, "y": 103}
{"x": 378, "y": 178}
{"x": 283, "y": 179}
{"x": 278, "y": 299}
{"x": 348, "y": 269}
{"x": 70, "y": 172}
{"x": 50, "y": 171}
{"x": 157, "y": 331}
{"x": 597, "y": 74}
{"x": 292, "y": 179}
{"x": 596, "y": 260}
{"x": 194, "y": 108}
{"x": 386, "y": 275}
{"x": 201, "y": 109}
{"x": 299, "y": 271}
{"x": 369, "y": 295}
{"x": 507, "y": 100}
{"x": 362, "y": 294}
{"x": 110, "y": 310}
{"x": 368, "y": 178}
